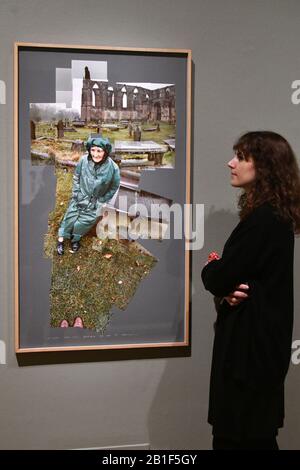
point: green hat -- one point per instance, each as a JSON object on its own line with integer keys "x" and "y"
{"x": 99, "y": 142}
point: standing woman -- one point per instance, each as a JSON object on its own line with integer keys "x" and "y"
{"x": 253, "y": 287}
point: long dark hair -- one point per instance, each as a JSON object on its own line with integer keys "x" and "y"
{"x": 277, "y": 178}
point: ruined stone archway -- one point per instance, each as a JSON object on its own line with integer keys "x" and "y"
{"x": 95, "y": 96}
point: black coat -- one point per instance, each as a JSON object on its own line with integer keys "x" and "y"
{"x": 252, "y": 343}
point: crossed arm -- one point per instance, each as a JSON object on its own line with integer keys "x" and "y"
{"x": 235, "y": 297}
{"x": 226, "y": 277}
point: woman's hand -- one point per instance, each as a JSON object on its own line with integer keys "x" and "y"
{"x": 237, "y": 296}
{"x": 213, "y": 255}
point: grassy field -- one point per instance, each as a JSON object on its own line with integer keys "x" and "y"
{"x": 63, "y": 149}
{"x": 44, "y": 130}
{"x": 102, "y": 274}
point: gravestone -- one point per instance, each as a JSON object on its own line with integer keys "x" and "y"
{"x": 137, "y": 134}
{"x": 60, "y": 129}
{"x": 77, "y": 146}
{"x": 32, "y": 130}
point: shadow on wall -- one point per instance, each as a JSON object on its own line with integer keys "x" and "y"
{"x": 218, "y": 226}
{"x": 178, "y": 414}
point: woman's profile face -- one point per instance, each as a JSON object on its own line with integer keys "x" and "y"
{"x": 97, "y": 154}
{"x": 242, "y": 171}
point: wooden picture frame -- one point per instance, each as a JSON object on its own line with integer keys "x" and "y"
{"x": 150, "y": 90}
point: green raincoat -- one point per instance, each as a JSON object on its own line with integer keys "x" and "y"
{"x": 93, "y": 185}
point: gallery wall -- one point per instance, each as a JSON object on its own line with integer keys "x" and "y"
{"x": 245, "y": 59}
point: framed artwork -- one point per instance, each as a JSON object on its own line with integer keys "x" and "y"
{"x": 101, "y": 165}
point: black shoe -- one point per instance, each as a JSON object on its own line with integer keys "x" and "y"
{"x": 60, "y": 248}
{"x": 75, "y": 246}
